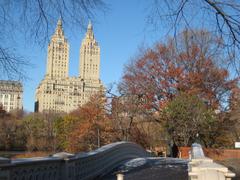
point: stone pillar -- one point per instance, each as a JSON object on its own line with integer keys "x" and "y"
{"x": 120, "y": 176}
{"x": 203, "y": 168}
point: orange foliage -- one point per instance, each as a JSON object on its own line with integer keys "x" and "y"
{"x": 32, "y": 154}
{"x": 92, "y": 124}
{"x": 161, "y": 72}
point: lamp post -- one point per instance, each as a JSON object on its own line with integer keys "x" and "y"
{"x": 98, "y": 137}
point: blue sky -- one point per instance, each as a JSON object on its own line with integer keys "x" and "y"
{"x": 119, "y": 32}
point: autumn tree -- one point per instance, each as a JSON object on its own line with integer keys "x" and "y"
{"x": 125, "y": 111}
{"x": 132, "y": 124}
{"x": 12, "y": 135}
{"x": 86, "y": 128}
{"x": 158, "y": 74}
{"x": 2, "y": 111}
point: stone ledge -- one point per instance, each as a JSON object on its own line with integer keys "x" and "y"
{"x": 63, "y": 155}
{"x": 5, "y": 160}
{"x": 201, "y": 167}
{"x": 210, "y": 166}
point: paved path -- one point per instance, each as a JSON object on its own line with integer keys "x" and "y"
{"x": 152, "y": 169}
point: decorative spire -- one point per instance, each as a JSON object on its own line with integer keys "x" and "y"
{"x": 90, "y": 25}
{"x": 59, "y": 23}
{"x": 90, "y": 34}
{"x": 59, "y": 29}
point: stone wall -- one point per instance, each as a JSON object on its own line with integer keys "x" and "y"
{"x": 65, "y": 166}
{"x": 203, "y": 168}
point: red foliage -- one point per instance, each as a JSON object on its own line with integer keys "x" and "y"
{"x": 161, "y": 73}
{"x": 90, "y": 119}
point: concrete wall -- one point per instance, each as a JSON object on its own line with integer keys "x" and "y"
{"x": 203, "y": 168}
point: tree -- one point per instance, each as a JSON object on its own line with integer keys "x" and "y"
{"x": 234, "y": 115}
{"x": 87, "y": 127}
{"x": 40, "y": 131}
{"x": 132, "y": 124}
{"x": 187, "y": 118}
{"x": 220, "y": 135}
{"x": 12, "y": 135}
{"x": 35, "y": 19}
{"x": 2, "y": 111}
{"x": 158, "y": 74}
{"x": 125, "y": 111}
{"x": 220, "y": 17}
{"x": 63, "y": 127}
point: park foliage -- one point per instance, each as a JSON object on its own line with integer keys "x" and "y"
{"x": 173, "y": 92}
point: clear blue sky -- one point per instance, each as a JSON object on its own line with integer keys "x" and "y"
{"x": 120, "y": 32}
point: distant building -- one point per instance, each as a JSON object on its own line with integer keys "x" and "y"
{"x": 57, "y": 91}
{"x": 11, "y": 95}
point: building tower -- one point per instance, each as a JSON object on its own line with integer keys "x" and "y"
{"x": 58, "y": 92}
{"x": 58, "y": 55}
{"x": 89, "y": 57}
{"x": 11, "y": 95}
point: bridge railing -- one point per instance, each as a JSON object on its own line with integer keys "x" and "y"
{"x": 65, "y": 166}
{"x": 203, "y": 168}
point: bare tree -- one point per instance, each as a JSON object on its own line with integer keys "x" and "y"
{"x": 34, "y": 19}
{"x": 220, "y": 17}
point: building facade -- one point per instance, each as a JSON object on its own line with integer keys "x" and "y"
{"x": 58, "y": 92}
{"x": 11, "y": 95}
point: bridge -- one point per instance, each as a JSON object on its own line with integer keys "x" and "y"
{"x": 122, "y": 160}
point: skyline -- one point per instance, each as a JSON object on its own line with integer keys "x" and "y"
{"x": 118, "y": 40}
{"x": 78, "y": 75}
{"x": 57, "y": 91}
{"x": 120, "y": 31}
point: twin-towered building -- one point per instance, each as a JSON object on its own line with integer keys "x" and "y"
{"x": 58, "y": 92}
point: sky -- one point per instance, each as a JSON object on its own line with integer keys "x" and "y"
{"x": 120, "y": 32}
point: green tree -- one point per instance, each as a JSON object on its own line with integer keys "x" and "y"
{"x": 63, "y": 126}
{"x": 40, "y": 132}
{"x": 186, "y": 119}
